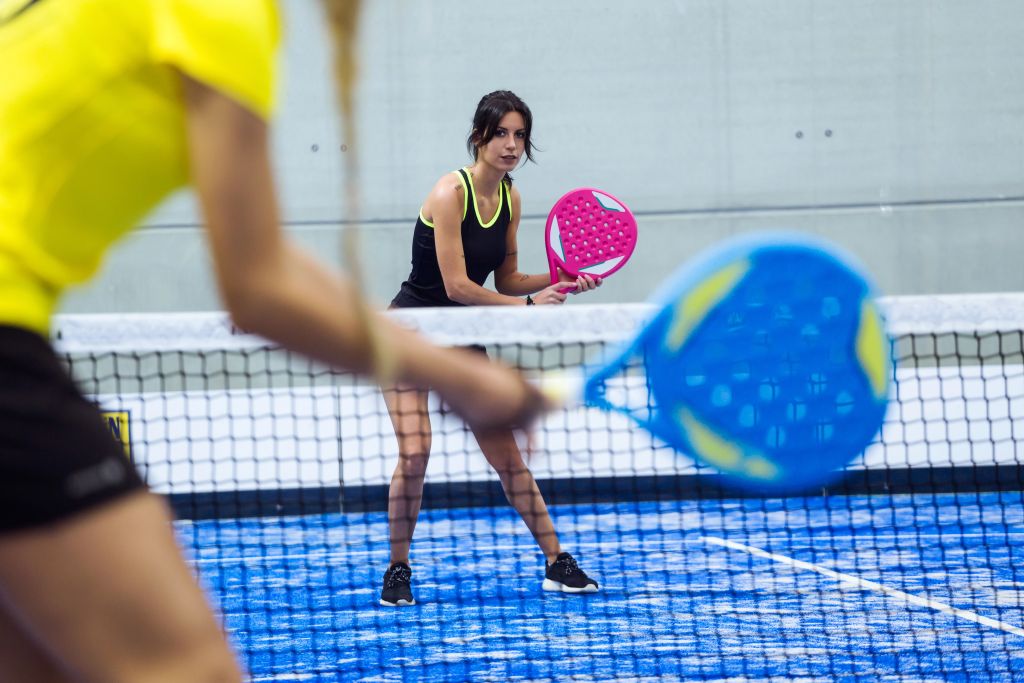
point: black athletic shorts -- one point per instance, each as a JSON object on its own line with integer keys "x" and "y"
{"x": 478, "y": 348}
{"x": 57, "y": 456}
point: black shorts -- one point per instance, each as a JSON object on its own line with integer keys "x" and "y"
{"x": 477, "y": 348}
{"x": 57, "y": 456}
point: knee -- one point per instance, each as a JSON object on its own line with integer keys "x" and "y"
{"x": 412, "y": 465}
{"x": 509, "y": 468}
{"x": 506, "y": 461}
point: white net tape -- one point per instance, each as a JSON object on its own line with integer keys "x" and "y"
{"x": 507, "y": 325}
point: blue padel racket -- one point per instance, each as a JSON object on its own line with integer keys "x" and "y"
{"x": 767, "y": 359}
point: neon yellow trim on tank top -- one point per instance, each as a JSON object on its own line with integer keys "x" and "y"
{"x": 465, "y": 204}
{"x": 476, "y": 206}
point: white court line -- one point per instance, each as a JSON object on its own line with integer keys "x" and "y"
{"x": 818, "y": 540}
{"x": 872, "y": 585}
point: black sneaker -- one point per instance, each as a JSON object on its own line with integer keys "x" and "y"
{"x": 565, "y": 576}
{"x": 397, "y": 586}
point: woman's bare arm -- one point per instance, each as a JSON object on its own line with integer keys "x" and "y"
{"x": 507, "y": 278}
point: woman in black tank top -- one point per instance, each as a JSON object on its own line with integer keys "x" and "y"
{"x": 466, "y": 231}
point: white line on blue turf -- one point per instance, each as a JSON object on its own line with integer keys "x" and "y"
{"x": 871, "y": 585}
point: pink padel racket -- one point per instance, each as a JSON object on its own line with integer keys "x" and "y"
{"x": 589, "y": 231}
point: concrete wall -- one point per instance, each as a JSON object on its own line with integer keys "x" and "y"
{"x": 895, "y": 129}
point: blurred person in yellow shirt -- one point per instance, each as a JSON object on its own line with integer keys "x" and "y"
{"x": 106, "y": 107}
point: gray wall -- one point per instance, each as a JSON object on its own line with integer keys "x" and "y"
{"x": 893, "y": 127}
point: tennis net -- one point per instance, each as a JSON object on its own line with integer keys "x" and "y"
{"x": 910, "y": 568}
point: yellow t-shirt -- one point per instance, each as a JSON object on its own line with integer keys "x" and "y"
{"x": 92, "y": 127}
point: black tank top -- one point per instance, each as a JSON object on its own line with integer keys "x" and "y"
{"x": 483, "y": 244}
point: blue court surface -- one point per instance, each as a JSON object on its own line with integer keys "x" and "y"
{"x": 873, "y": 588}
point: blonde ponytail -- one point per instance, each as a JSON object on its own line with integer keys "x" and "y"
{"x": 343, "y": 22}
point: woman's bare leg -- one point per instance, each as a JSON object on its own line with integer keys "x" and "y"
{"x": 520, "y": 488}
{"x": 23, "y": 659}
{"x": 109, "y": 596}
{"x": 407, "y": 407}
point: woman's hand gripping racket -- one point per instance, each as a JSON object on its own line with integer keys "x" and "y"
{"x": 766, "y": 358}
{"x": 588, "y": 231}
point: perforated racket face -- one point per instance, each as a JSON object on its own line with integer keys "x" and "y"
{"x": 772, "y": 367}
{"x": 589, "y": 231}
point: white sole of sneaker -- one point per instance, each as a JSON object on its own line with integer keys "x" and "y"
{"x": 557, "y": 587}
{"x": 400, "y": 603}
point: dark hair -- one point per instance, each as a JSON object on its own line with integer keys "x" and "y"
{"x": 488, "y": 115}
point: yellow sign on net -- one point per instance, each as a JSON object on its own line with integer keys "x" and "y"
{"x": 118, "y": 422}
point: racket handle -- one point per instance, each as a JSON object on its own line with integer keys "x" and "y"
{"x": 555, "y": 265}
